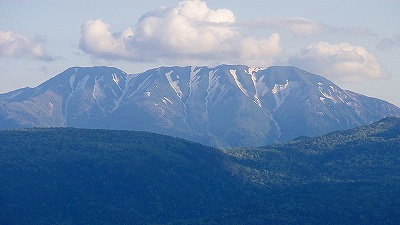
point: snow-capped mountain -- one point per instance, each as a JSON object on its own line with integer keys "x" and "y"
{"x": 222, "y": 106}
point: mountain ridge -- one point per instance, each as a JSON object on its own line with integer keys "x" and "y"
{"x": 226, "y": 105}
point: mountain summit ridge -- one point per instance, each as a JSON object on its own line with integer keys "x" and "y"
{"x": 226, "y": 105}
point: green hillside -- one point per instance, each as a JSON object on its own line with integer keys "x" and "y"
{"x": 78, "y": 176}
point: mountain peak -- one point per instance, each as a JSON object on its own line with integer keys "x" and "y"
{"x": 226, "y": 105}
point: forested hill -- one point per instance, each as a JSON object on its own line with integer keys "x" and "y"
{"x": 78, "y": 176}
{"x": 364, "y": 154}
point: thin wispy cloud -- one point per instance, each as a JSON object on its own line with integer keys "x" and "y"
{"x": 303, "y": 27}
{"x": 296, "y": 25}
{"x": 44, "y": 69}
{"x": 15, "y": 45}
{"x": 389, "y": 43}
{"x": 358, "y": 31}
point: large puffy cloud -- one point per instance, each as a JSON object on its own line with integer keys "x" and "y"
{"x": 342, "y": 62}
{"x": 189, "y": 30}
{"x": 14, "y": 45}
{"x": 97, "y": 40}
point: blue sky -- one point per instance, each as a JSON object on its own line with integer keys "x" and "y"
{"x": 356, "y": 44}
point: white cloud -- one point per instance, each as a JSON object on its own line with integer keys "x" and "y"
{"x": 188, "y": 31}
{"x": 14, "y": 45}
{"x": 340, "y": 62}
{"x": 253, "y": 51}
{"x": 97, "y": 40}
{"x": 302, "y": 26}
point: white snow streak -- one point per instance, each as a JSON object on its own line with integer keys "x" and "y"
{"x": 280, "y": 87}
{"x": 72, "y": 79}
{"x": 252, "y": 72}
{"x": 165, "y": 100}
{"x": 326, "y": 95}
{"x": 124, "y": 91}
{"x": 97, "y": 94}
{"x": 115, "y": 78}
{"x": 51, "y": 108}
{"x": 194, "y": 79}
{"x": 212, "y": 85}
{"x": 141, "y": 85}
{"x": 261, "y": 86}
{"x": 174, "y": 84}
{"x": 81, "y": 85}
{"x": 240, "y": 86}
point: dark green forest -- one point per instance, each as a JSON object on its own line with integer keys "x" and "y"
{"x": 81, "y": 176}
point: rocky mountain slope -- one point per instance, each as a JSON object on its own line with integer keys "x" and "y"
{"x": 222, "y": 106}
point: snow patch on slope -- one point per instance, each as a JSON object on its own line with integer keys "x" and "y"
{"x": 72, "y": 79}
{"x": 166, "y": 100}
{"x": 98, "y": 94}
{"x": 252, "y": 72}
{"x": 280, "y": 87}
{"x": 174, "y": 84}
{"x": 124, "y": 90}
{"x": 262, "y": 87}
{"x": 326, "y": 95}
{"x": 240, "y": 86}
{"x": 97, "y": 90}
{"x": 80, "y": 86}
{"x": 115, "y": 78}
{"x": 280, "y": 96}
{"x": 213, "y": 84}
{"x": 194, "y": 79}
{"x": 140, "y": 86}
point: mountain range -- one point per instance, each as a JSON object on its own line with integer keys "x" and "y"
{"x": 227, "y": 105}
{"x": 89, "y": 176}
